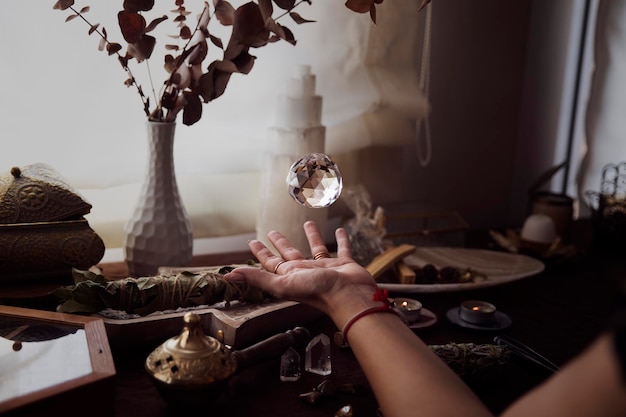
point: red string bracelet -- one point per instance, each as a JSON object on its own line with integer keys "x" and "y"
{"x": 379, "y": 295}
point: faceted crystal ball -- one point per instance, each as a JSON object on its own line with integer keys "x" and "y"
{"x": 314, "y": 181}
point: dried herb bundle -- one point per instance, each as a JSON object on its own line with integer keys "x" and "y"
{"x": 93, "y": 293}
{"x": 473, "y": 361}
{"x": 191, "y": 82}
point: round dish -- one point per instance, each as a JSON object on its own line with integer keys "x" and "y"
{"x": 501, "y": 321}
{"x": 499, "y": 267}
{"x": 427, "y": 319}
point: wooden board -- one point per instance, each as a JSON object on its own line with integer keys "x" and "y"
{"x": 243, "y": 324}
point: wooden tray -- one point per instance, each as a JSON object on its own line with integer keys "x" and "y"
{"x": 66, "y": 358}
{"x": 243, "y": 324}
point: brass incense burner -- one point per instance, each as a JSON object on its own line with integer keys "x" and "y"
{"x": 193, "y": 368}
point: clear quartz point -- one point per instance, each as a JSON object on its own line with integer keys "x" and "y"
{"x": 290, "y": 365}
{"x": 317, "y": 359}
{"x": 314, "y": 181}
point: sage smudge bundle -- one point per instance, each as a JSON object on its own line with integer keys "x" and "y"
{"x": 473, "y": 361}
{"x": 92, "y": 293}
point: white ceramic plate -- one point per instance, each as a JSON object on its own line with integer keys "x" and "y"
{"x": 499, "y": 267}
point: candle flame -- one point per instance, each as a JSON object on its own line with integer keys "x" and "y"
{"x": 476, "y": 308}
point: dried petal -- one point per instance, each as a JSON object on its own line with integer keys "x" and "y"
{"x": 285, "y": 4}
{"x": 266, "y": 9}
{"x": 299, "y": 19}
{"x": 226, "y": 66}
{"x": 281, "y": 31}
{"x": 244, "y": 62}
{"x": 216, "y": 41}
{"x": 185, "y": 32}
{"x": 193, "y": 109}
{"x": 373, "y": 13}
{"x": 143, "y": 48}
{"x": 224, "y": 12}
{"x": 132, "y": 25}
{"x": 138, "y": 5}
{"x": 213, "y": 83}
{"x": 155, "y": 23}
{"x": 169, "y": 99}
{"x": 170, "y": 63}
{"x": 288, "y": 35}
{"x": 275, "y": 27}
{"x": 113, "y": 48}
{"x": 63, "y": 4}
{"x": 249, "y": 26}
{"x": 360, "y": 6}
{"x": 220, "y": 82}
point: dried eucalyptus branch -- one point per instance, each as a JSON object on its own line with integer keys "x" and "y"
{"x": 189, "y": 84}
{"x": 112, "y": 48}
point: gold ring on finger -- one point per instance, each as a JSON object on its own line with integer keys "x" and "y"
{"x": 277, "y": 265}
{"x": 321, "y": 255}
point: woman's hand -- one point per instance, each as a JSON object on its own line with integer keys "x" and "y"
{"x": 330, "y": 284}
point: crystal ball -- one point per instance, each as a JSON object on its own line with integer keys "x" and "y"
{"x": 314, "y": 181}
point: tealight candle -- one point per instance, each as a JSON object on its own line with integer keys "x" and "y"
{"x": 410, "y": 309}
{"x": 478, "y": 312}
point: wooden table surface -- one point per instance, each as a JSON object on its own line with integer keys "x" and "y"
{"x": 557, "y": 312}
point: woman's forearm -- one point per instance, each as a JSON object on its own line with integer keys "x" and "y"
{"x": 407, "y": 378}
{"x": 590, "y": 385}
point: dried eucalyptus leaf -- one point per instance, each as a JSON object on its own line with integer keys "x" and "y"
{"x": 285, "y": 4}
{"x": 299, "y": 19}
{"x": 225, "y": 12}
{"x": 63, "y": 4}
{"x": 253, "y": 25}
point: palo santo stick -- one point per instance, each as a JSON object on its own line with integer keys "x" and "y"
{"x": 405, "y": 273}
{"x": 388, "y": 258}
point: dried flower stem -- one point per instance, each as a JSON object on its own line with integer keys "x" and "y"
{"x": 190, "y": 83}
{"x": 285, "y": 13}
{"x": 121, "y": 60}
{"x": 159, "y": 108}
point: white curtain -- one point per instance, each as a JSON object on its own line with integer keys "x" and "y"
{"x": 605, "y": 121}
{"x": 64, "y": 103}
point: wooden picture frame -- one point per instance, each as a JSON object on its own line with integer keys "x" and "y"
{"x": 87, "y": 391}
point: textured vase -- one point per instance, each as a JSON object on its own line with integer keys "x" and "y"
{"x": 159, "y": 232}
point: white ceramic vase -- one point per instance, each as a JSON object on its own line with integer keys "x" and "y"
{"x": 159, "y": 232}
